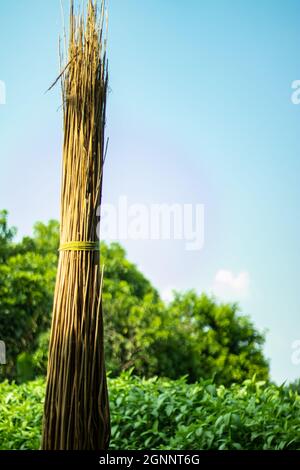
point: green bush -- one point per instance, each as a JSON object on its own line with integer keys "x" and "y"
{"x": 165, "y": 414}
{"x": 21, "y": 408}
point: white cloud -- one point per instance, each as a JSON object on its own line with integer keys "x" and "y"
{"x": 228, "y": 285}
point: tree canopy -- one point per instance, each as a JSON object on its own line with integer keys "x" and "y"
{"x": 195, "y": 335}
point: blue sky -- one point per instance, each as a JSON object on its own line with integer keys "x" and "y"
{"x": 199, "y": 111}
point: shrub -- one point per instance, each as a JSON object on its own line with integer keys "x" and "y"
{"x": 165, "y": 414}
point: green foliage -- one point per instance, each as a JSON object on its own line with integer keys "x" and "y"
{"x": 21, "y": 410}
{"x": 211, "y": 339}
{"x": 165, "y": 414}
{"x": 39, "y": 359}
{"x": 6, "y": 236}
{"x": 27, "y": 277}
{"x": 132, "y": 312}
{"x": 194, "y": 336}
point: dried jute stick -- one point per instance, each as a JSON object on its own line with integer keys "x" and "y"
{"x": 76, "y": 413}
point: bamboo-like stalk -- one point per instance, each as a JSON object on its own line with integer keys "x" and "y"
{"x": 76, "y": 412}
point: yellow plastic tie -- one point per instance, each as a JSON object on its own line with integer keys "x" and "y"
{"x": 80, "y": 246}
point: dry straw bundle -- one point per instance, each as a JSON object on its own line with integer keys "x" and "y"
{"x": 76, "y": 414}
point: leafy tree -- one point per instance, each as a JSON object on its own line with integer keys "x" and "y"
{"x": 132, "y": 312}
{"x": 209, "y": 339}
{"x": 27, "y": 276}
{"x": 6, "y": 236}
{"x": 194, "y": 336}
